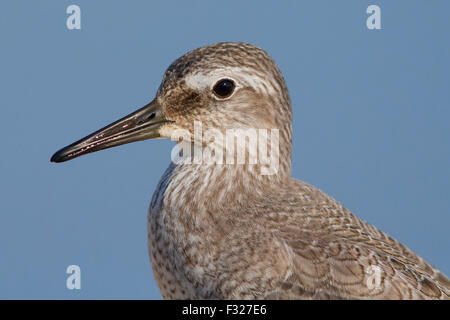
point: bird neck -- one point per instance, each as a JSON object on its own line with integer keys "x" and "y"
{"x": 195, "y": 187}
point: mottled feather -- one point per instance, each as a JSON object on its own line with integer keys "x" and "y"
{"x": 228, "y": 232}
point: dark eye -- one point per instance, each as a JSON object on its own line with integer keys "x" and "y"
{"x": 224, "y": 88}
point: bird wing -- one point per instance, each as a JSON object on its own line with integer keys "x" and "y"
{"x": 342, "y": 268}
{"x": 333, "y": 254}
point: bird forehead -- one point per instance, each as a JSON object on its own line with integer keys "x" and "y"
{"x": 247, "y": 64}
{"x": 242, "y": 76}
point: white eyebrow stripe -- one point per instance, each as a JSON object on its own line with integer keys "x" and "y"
{"x": 243, "y": 76}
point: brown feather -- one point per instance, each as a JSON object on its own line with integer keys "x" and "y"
{"x": 227, "y": 232}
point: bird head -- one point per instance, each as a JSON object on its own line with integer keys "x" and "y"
{"x": 223, "y": 86}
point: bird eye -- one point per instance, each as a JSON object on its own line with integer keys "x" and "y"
{"x": 224, "y": 88}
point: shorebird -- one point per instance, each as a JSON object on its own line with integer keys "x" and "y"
{"x": 228, "y": 231}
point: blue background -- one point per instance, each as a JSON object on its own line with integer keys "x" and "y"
{"x": 371, "y": 125}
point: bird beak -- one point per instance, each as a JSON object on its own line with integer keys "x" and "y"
{"x": 140, "y": 125}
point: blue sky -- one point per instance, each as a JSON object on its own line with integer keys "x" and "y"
{"x": 371, "y": 125}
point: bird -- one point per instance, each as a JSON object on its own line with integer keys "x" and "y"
{"x": 229, "y": 229}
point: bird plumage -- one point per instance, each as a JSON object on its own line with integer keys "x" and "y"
{"x": 236, "y": 228}
{"x": 227, "y": 232}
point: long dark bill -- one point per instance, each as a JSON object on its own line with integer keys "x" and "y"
{"x": 140, "y": 125}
